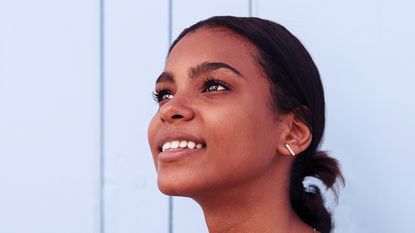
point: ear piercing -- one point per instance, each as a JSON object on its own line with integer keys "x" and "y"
{"x": 290, "y": 150}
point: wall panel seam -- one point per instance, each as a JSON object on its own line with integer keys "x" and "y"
{"x": 101, "y": 200}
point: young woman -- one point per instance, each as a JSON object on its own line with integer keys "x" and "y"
{"x": 240, "y": 120}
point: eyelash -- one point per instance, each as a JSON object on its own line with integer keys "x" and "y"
{"x": 159, "y": 93}
{"x": 210, "y": 81}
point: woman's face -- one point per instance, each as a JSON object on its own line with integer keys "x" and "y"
{"x": 214, "y": 128}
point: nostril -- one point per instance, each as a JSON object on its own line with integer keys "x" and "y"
{"x": 177, "y": 116}
{"x": 175, "y": 112}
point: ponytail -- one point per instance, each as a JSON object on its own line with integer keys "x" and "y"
{"x": 307, "y": 202}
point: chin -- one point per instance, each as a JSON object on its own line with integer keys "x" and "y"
{"x": 173, "y": 186}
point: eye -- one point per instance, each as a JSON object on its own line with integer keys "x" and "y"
{"x": 212, "y": 85}
{"x": 162, "y": 94}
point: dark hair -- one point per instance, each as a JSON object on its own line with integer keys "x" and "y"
{"x": 296, "y": 88}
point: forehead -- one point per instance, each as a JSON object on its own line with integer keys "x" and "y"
{"x": 212, "y": 44}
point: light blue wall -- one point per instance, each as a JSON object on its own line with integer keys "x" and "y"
{"x": 73, "y": 145}
{"x": 49, "y": 105}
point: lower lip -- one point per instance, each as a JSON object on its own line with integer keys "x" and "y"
{"x": 176, "y": 154}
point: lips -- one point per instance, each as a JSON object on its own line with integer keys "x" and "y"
{"x": 174, "y": 137}
{"x": 173, "y": 145}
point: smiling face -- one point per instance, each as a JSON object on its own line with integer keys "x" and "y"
{"x": 214, "y": 128}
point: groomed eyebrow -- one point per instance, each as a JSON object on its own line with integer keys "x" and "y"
{"x": 197, "y": 70}
{"x": 165, "y": 77}
{"x": 207, "y": 67}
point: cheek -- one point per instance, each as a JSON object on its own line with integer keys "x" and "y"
{"x": 242, "y": 139}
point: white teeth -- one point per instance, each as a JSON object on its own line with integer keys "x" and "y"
{"x": 181, "y": 144}
{"x": 175, "y": 144}
{"x": 166, "y": 146}
{"x": 191, "y": 145}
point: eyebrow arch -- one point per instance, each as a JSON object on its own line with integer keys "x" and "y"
{"x": 166, "y": 76}
{"x": 199, "y": 69}
{"x": 207, "y": 67}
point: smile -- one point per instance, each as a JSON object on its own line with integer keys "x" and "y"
{"x": 176, "y": 145}
{"x": 179, "y": 149}
{"x": 180, "y": 144}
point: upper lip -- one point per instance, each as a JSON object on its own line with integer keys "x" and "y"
{"x": 168, "y": 136}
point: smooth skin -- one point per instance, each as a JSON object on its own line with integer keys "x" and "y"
{"x": 240, "y": 177}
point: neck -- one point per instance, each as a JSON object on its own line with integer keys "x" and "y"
{"x": 259, "y": 205}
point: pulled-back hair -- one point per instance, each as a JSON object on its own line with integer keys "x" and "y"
{"x": 296, "y": 88}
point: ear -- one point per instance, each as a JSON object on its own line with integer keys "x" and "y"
{"x": 296, "y": 134}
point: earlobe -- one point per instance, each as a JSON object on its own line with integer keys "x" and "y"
{"x": 296, "y": 138}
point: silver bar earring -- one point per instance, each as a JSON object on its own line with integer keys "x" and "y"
{"x": 290, "y": 150}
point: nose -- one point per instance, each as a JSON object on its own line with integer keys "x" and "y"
{"x": 175, "y": 110}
